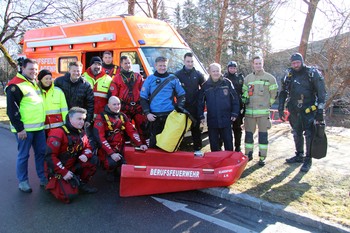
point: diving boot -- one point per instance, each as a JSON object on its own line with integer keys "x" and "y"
{"x": 306, "y": 165}
{"x": 298, "y": 158}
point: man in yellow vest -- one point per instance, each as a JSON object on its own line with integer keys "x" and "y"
{"x": 100, "y": 83}
{"x": 25, "y": 109}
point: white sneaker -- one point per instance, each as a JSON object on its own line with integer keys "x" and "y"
{"x": 198, "y": 153}
{"x": 25, "y": 187}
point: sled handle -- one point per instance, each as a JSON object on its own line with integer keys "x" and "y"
{"x": 208, "y": 170}
{"x": 140, "y": 168}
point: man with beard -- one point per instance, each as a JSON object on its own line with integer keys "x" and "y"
{"x": 99, "y": 82}
{"x": 305, "y": 89}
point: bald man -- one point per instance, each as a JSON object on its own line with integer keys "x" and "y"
{"x": 111, "y": 125}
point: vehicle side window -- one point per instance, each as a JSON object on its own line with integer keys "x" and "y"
{"x": 135, "y": 60}
{"x": 63, "y": 63}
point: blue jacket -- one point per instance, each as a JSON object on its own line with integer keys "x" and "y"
{"x": 163, "y": 102}
{"x": 222, "y": 103}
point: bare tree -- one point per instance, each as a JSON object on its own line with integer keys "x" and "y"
{"x": 150, "y": 8}
{"x": 131, "y": 7}
{"x": 221, "y": 30}
{"x": 81, "y": 10}
{"x": 15, "y": 16}
{"x": 312, "y": 7}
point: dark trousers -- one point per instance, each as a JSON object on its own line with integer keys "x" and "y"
{"x": 237, "y": 130}
{"x": 156, "y": 127}
{"x": 217, "y": 135}
{"x": 302, "y": 122}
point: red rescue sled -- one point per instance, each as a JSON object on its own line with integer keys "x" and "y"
{"x": 157, "y": 171}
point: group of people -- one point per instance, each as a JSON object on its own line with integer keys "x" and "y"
{"x": 105, "y": 99}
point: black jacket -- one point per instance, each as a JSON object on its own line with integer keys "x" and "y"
{"x": 302, "y": 89}
{"x": 78, "y": 94}
{"x": 190, "y": 80}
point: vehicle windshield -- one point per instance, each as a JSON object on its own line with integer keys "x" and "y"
{"x": 174, "y": 55}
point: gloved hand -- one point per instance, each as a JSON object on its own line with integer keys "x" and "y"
{"x": 281, "y": 114}
{"x": 319, "y": 115}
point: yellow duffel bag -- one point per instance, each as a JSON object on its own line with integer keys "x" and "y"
{"x": 176, "y": 125}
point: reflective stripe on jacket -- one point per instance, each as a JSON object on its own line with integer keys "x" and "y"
{"x": 56, "y": 107}
{"x": 259, "y": 93}
{"x": 32, "y": 106}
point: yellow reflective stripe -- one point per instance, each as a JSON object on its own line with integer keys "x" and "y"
{"x": 250, "y": 111}
{"x": 259, "y": 82}
{"x": 48, "y": 112}
{"x": 272, "y": 100}
{"x": 249, "y": 145}
{"x": 263, "y": 146}
{"x": 29, "y": 127}
{"x": 109, "y": 123}
{"x": 102, "y": 95}
{"x": 273, "y": 87}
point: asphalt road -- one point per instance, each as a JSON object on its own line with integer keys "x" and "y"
{"x": 107, "y": 212}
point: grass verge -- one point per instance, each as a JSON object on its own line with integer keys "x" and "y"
{"x": 3, "y": 116}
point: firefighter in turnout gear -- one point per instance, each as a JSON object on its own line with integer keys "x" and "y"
{"x": 259, "y": 93}
{"x": 111, "y": 125}
{"x": 303, "y": 87}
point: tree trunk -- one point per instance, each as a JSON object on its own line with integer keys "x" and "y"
{"x": 131, "y": 7}
{"x": 155, "y": 9}
{"x": 8, "y": 56}
{"x": 312, "y": 6}
{"x": 221, "y": 31}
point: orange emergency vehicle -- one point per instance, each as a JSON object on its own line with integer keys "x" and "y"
{"x": 142, "y": 39}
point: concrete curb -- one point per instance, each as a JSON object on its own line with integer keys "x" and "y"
{"x": 277, "y": 210}
{"x": 4, "y": 126}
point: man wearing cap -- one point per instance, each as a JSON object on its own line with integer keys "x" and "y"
{"x": 25, "y": 109}
{"x": 259, "y": 93}
{"x": 305, "y": 89}
{"x": 191, "y": 80}
{"x": 99, "y": 82}
{"x": 237, "y": 80}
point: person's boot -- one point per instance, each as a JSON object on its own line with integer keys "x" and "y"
{"x": 250, "y": 155}
{"x": 87, "y": 189}
{"x": 306, "y": 165}
{"x": 238, "y": 149}
{"x": 261, "y": 160}
{"x": 298, "y": 158}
